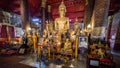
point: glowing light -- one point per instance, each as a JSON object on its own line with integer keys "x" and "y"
{"x": 85, "y": 30}
{"x": 29, "y": 28}
{"x": 89, "y": 26}
{"x": 73, "y": 37}
{"x": 58, "y": 43}
{"x": 81, "y": 31}
{"x": 35, "y": 19}
{"x": 71, "y": 66}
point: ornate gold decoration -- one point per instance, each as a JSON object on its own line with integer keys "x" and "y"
{"x": 76, "y": 24}
{"x": 62, "y": 6}
{"x": 34, "y": 40}
{"x": 67, "y": 46}
{"x": 49, "y": 8}
{"x": 86, "y": 2}
{"x": 76, "y": 47}
{"x": 43, "y": 3}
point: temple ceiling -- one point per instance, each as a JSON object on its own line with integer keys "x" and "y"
{"x": 75, "y": 8}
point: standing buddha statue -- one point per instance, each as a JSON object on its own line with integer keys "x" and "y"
{"x": 76, "y": 24}
{"x": 76, "y": 27}
{"x": 62, "y": 23}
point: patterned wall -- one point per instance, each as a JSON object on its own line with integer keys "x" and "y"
{"x": 88, "y": 12}
{"x": 101, "y": 12}
{"x": 100, "y": 15}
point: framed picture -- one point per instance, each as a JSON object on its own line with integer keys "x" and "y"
{"x": 83, "y": 42}
{"x": 93, "y": 63}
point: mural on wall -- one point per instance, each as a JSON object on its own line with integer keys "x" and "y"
{"x": 18, "y": 32}
{"x": 4, "y": 31}
{"x": 15, "y": 20}
{"x": 11, "y": 18}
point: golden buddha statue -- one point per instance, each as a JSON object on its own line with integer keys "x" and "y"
{"x": 76, "y": 24}
{"x": 62, "y": 23}
{"x": 34, "y": 37}
{"x": 45, "y": 33}
{"x": 72, "y": 35}
{"x": 76, "y": 27}
{"x": 28, "y": 35}
{"x": 67, "y": 46}
{"x": 51, "y": 27}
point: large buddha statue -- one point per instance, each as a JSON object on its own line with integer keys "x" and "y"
{"x": 62, "y": 23}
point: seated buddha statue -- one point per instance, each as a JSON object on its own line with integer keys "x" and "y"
{"x": 67, "y": 46}
{"x": 62, "y": 23}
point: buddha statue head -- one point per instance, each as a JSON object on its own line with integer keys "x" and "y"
{"x": 62, "y": 9}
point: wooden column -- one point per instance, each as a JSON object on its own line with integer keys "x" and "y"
{"x": 49, "y": 13}
{"x": 100, "y": 17}
{"x": 88, "y": 12}
{"x": 43, "y": 12}
{"x": 25, "y": 14}
{"x": 101, "y": 12}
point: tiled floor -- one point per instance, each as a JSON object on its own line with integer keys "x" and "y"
{"x": 30, "y": 61}
{"x": 116, "y": 58}
{"x": 74, "y": 63}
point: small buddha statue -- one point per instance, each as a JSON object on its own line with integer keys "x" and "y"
{"x": 76, "y": 24}
{"x": 67, "y": 46}
{"x": 62, "y": 23}
{"x": 101, "y": 52}
{"x": 7, "y": 16}
{"x": 76, "y": 27}
{"x": 50, "y": 27}
{"x": 72, "y": 35}
{"x": 44, "y": 33}
{"x": 38, "y": 35}
{"x": 28, "y": 35}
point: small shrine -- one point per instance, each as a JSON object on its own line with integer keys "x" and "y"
{"x": 61, "y": 40}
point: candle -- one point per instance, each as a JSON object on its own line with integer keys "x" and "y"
{"x": 76, "y": 48}
{"x": 39, "y": 51}
{"x": 34, "y": 43}
{"x": 49, "y": 52}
